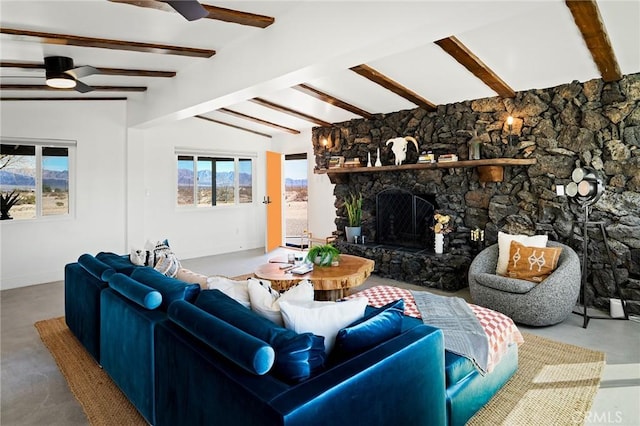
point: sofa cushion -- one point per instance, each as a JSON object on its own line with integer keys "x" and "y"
{"x": 192, "y": 277}
{"x": 170, "y": 288}
{"x": 510, "y": 285}
{"x": 504, "y": 247}
{"x": 241, "y": 348}
{"x": 265, "y": 301}
{"x": 322, "y": 318}
{"x": 374, "y": 328}
{"x": 119, "y": 263}
{"x": 95, "y": 267}
{"x": 532, "y": 263}
{"x": 298, "y": 356}
{"x": 238, "y": 290}
{"x": 141, "y": 294}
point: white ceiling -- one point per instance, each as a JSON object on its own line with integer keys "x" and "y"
{"x": 528, "y": 44}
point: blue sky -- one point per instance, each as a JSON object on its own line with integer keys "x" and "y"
{"x": 295, "y": 169}
{"x": 57, "y": 164}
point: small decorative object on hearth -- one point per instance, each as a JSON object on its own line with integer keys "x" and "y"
{"x": 368, "y": 159}
{"x": 323, "y": 255}
{"x": 441, "y": 227}
{"x": 477, "y": 240}
{"x": 378, "y": 162}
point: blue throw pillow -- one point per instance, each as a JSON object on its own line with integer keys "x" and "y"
{"x": 376, "y": 327}
{"x": 298, "y": 356}
{"x": 170, "y": 288}
{"x": 139, "y": 293}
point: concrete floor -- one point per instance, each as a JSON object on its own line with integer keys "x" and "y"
{"x": 33, "y": 392}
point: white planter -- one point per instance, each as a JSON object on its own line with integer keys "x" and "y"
{"x": 351, "y": 232}
{"x": 439, "y": 243}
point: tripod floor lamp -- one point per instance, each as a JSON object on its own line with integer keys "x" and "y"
{"x": 585, "y": 189}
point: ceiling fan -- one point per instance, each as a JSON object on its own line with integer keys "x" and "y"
{"x": 61, "y": 74}
{"x": 190, "y": 9}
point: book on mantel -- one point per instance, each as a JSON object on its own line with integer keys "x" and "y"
{"x": 447, "y": 158}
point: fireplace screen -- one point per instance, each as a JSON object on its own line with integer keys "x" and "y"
{"x": 404, "y": 219}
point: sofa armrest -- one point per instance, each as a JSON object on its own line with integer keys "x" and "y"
{"x": 95, "y": 267}
{"x": 248, "y": 352}
{"x": 137, "y": 292}
{"x": 401, "y": 381}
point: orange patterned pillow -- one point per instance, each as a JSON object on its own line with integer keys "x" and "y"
{"x": 532, "y": 263}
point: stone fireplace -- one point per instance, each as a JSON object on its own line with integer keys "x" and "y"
{"x": 595, "y": 124}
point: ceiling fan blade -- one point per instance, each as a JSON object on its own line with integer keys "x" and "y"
{"x": 82, "y": 71}
{"x": 82, "y": 88}
{"x": 190, "y": 9}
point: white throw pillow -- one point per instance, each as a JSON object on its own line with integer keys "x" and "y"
{"x": 504, "y": 245}
{"x": 237, "y": 290}
{"x": 322, "y": 318}
{"x": 266, "y": 301}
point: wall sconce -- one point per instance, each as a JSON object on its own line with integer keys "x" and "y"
{"x": 326, "y": 144}
{"x": 510, "y": 128}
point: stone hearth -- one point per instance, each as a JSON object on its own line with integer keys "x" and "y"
{"x": 447, "y": 271}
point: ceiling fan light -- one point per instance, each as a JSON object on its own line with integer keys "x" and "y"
{"x": 62, "y": 81}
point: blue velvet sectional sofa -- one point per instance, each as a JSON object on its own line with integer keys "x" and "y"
{"x": 186, "y": 356}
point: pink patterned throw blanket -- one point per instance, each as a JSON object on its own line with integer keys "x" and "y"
{"x": 500, "y": 329}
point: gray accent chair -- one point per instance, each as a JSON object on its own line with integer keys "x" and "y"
{"x": 546, "y": 303}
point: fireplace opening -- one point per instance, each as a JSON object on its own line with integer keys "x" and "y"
{"x": 404, "y": 219}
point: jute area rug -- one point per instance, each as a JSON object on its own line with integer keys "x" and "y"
{"x": 555, "y": 383}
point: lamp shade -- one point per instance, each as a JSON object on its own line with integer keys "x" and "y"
{"x": 55, "y": 67}
{"x": 62, "y": 81}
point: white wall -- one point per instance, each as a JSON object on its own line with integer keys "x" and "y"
{"x": 321, "y": 209}
{"x": 35, "y": 251}
{"x": 194, "y": 232}
{"x": 125, "y": 189}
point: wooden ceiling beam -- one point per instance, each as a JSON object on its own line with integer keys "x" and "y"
{"x": 202, "y": 117}
{"x": 103, "y": 43}
{"x": 95, "y": 88}
{"x": 467, "y": 59}
{"x": 311, "y": 91}
{"x": 289, "y": 111}
{"x": 259, "y": 121}
{"x": 586, "y": 15}
{"x": 104, "y": 71}
{"x": 216, "y": 13}
{"x": 75, "y": 98}
{"x": 392, "y": 85}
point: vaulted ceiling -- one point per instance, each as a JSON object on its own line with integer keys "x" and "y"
{"x": 280, "y": 67}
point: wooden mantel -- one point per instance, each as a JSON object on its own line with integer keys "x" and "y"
{"x": 490, "y": 169}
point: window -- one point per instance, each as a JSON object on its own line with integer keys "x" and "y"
{"x": 35, "y": 175}
{"x": 211, "y": 180}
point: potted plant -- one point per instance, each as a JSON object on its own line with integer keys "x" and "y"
{"x": 353, "y": 205}
{"x": 323, "y": 255}
{"x": 6, "y": 202}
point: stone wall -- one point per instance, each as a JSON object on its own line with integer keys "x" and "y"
{"x": 593, "y": 124}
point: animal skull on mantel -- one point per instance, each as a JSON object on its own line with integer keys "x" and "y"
{"x": 399, "y": 147}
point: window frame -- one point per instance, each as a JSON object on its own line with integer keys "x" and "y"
{"x": 216, "y": 155}
{"x": 39, "y": 144}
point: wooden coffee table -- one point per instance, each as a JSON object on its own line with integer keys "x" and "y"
{"x": 329, "y": 282}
